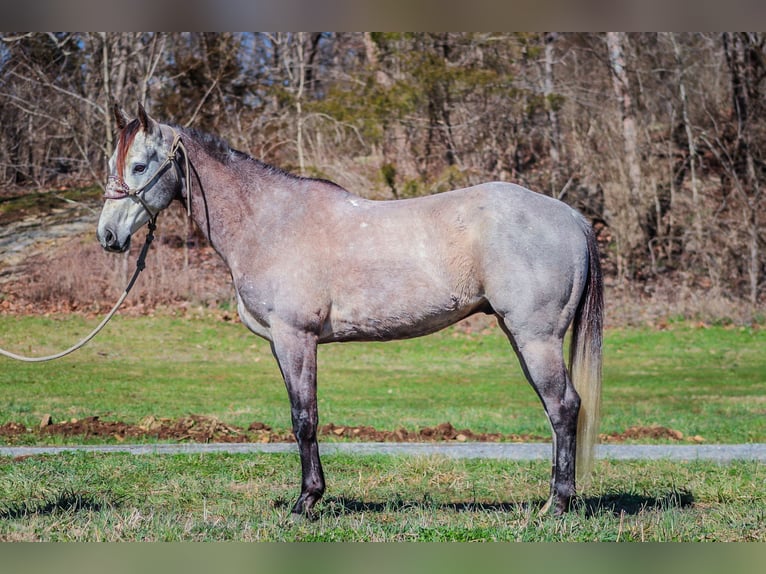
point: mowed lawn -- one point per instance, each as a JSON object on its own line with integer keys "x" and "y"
{"x": 708, "y": 384}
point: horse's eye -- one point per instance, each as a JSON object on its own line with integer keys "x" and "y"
{"x": 139, "y": 168}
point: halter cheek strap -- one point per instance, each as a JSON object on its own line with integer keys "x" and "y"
{"x": 116, "y": 188}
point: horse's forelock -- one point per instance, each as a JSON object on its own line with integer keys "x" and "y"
{"x": 127, "y": 135}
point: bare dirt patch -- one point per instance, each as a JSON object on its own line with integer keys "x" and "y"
{"x": 196, "y": 428}
{"x": 650, "y": 432}
{"x": 204, "y": 429}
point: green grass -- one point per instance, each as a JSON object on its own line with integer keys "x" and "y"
{"x": 94, "y": 497}
{"x": 709, "y": 383}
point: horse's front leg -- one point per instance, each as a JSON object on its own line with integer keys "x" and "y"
{"x": 296, "y": 353}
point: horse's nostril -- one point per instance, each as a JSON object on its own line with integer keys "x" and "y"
{"x": 109, "y": 240}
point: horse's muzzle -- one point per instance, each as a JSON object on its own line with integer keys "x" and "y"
{"x": 110, "y": 242}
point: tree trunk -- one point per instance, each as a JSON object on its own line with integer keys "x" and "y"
{"x": 632, "y": 227}
{"x": 107, "y": 109}
{"x": 691, "y": 146}
{"x": 553, "y": 117}
{"x": 744, "y": 82}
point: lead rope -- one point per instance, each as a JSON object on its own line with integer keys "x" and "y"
{"x": 140, "y": 264}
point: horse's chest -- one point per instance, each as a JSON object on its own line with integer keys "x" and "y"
{"x": 253, "y": 317}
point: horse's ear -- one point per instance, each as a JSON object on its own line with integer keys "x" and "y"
{"x": 120, "y": 116}
{"x": 147, "y": 123}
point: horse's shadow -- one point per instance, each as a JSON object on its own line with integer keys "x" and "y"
{"x": 617, "y": 504}
{"x": 629, "y": 503}
{"x": 66, "y": 501}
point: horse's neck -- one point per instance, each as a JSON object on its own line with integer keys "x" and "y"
{"x": 222, "y": 198}
{"x": 208, "y": 194}
{"x": 246, "y": 197}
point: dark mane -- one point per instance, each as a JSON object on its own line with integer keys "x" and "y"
{"x": 221, "y": 151}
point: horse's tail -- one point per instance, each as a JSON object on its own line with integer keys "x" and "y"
{"x": 585, "y": 361}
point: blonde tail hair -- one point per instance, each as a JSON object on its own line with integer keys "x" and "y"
{"x": 585, "y": 363}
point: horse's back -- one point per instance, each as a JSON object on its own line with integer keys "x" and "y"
{"x": 514, "y": 226}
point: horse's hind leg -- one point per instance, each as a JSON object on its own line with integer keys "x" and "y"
{"x": 296, "y": 353}
{"x": 542, "y": 360}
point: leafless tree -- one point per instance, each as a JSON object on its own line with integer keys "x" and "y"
{"x": 658, "y": 138}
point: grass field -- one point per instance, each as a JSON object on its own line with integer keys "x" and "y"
{"x": 370, "y": 498}
{"x": 709, "y": 384}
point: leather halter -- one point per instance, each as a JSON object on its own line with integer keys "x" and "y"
{"x": 116, "y": 188}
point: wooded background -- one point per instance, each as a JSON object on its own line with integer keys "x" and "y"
{"x": 658, "y": 138}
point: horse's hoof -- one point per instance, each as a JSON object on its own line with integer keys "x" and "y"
{"x": 303, "y": 511}
{"x": 299, "y": 518}
{"x": 557, "y": 507}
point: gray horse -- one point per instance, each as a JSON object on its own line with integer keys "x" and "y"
{"x": 311, "y": 263}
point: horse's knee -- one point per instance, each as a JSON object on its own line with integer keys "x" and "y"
{"x": 304, "y": 425}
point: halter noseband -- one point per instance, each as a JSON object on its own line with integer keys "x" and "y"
{"x": 116, "y": 188}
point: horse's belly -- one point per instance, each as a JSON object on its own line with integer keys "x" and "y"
{"x": 404, "y": 295}
{"x": 397, "y": 321}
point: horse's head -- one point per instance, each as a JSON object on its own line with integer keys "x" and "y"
{"x": 144, "y": 178}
